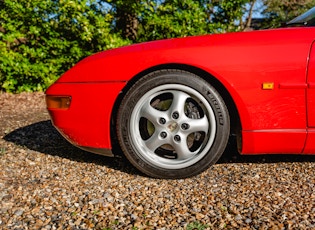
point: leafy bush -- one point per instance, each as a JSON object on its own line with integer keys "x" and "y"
{"x": 39, "y": 40}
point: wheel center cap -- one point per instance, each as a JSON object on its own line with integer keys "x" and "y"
{"x": 172, "y": 127}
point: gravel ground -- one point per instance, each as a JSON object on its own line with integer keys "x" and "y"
{"x": 45, "y": 183}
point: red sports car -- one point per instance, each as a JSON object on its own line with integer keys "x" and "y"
{"x": 171, "y": 105}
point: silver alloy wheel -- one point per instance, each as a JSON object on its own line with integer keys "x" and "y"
{"x": 172, "y": 126}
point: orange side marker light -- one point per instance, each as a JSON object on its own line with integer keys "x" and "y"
{"x": 58, "y": 102}
{"x": 268, "y": 86}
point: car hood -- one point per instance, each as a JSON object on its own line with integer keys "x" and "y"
{"x": 121, "y": 64}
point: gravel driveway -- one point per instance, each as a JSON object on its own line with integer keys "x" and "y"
{"x": 45, "y": 183}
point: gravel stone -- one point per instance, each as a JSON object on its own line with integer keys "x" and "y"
{"x": 46, "y": 183}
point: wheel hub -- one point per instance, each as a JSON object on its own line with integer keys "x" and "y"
{"x": 172, "y": 127}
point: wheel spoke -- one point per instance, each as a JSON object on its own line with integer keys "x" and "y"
{"x": 198, "y": 125}
{"x": 179, "y": 100}
{"x": 151, "y": 113}
{"x": 182, "y": 150}
{"x": 155, "y": 142}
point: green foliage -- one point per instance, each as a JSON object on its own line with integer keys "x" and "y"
{"x": 39, "y": 40}
{"x": 278, "y": 12}
{"x": 125, "y": 14}
{"x": 152, "y": 20}
{"x": 229, "y": 13}
{"x": 196, "y": 226}
{"x": 173, "y": 18}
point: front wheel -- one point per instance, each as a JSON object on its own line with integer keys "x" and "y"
{"x": 172, "y": 124}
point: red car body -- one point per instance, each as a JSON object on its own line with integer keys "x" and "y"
{"x": 269, "y": 75}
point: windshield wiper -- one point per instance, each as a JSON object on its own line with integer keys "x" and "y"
{"x": 296, "y": 24}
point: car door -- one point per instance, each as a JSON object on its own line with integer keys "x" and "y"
{"x": 310, "y": 141}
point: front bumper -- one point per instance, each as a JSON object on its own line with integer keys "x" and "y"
{"x": 86, "y": 123}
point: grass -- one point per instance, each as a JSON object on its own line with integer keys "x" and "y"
{"x": 2, "y": 151}
{"x": 196, "y": 226}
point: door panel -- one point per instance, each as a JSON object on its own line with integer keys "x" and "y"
{"x": 311, "y": 89}
{"x": 310, "y": 140}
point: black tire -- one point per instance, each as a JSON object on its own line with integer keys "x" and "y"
{"x": 172, "y": 124}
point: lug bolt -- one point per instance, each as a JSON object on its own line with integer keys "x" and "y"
{"x": 162, "y": 121}
{"x": 185, "y": 126}
{"x": 177, "y": 138}
{"x": 175, "y": 115}
{"x": 163, "y": 134}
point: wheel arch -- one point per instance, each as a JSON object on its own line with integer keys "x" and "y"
{"x": 235, "y": 121}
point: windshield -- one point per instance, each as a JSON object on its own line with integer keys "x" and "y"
{"x": 306, "y": 19}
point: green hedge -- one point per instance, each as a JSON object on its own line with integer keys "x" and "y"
{"x": 41, "y": 39}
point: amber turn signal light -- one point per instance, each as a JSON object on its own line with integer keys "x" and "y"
{"x": 58, "y": 102}
{"x": 268, "y": 85}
